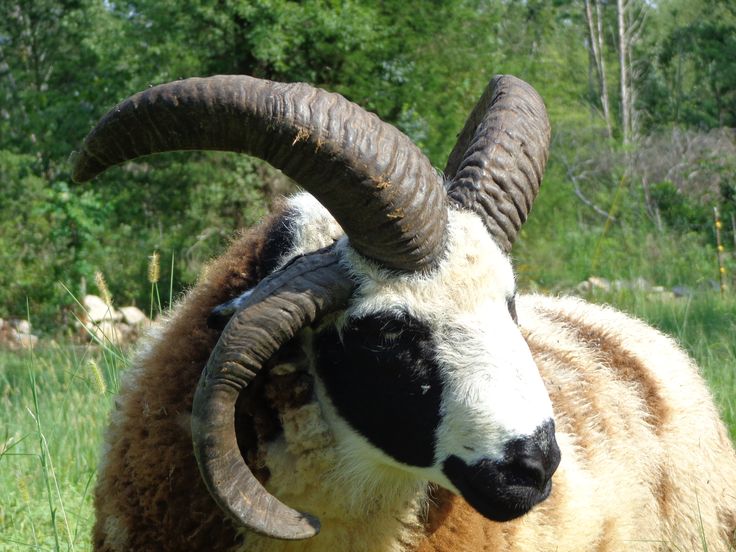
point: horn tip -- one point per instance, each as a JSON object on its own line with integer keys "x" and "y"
{"x": 84, "y": 168}
{"x": 301, "y": 526}
{"x": 310, "y": 525}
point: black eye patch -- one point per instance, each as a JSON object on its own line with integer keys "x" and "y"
{"x": 384, "y": 381}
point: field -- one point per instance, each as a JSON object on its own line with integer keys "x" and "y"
{"x": 54, "y": 403}
{"x": 640, "y": 185}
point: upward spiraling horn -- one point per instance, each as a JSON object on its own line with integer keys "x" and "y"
{"x": 374, "y": 181}
{"x": 496, "y": 166}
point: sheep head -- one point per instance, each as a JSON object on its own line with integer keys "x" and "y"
{"x": 421, "y": 361}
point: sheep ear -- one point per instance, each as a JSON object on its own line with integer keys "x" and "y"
{"x": 295, "y": 296}
{"x": 496, "y": 166}
{"x": 221, "y": 314}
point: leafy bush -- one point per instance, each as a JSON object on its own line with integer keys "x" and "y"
{"x": 59, "y": 231}
{"x": 676, "y": 210}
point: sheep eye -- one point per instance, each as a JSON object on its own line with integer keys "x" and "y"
{"x": 511, "y": 305}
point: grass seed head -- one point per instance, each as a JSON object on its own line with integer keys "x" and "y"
{"x": 104, "y": 290}
{"x": 99, "y": 379}
{"x": 154, "y": 268}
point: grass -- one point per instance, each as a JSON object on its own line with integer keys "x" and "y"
{"x": 54, "y": 404}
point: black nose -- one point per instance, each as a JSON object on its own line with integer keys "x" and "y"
{"x": 532, "y": 460}
{"x": 508, "y": 488}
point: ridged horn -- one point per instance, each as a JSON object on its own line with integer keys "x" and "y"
{"x": 277, "y": 309}
{"x": 376, "y": 183}
{"x": 497, "y": 164}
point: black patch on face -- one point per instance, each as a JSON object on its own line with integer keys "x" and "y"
{"x": 384, "y": 381}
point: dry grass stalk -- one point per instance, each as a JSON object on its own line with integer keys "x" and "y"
{"x": 154, "y": 268}
{"x": 104, "y": 290}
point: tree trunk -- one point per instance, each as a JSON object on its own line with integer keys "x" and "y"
{"x": 623, "y": 46}
{"x": 595, "y": 36}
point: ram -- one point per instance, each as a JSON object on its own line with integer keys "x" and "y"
{"x": 363, "y": 356}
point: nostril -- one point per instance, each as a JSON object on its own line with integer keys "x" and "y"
{"x": 532, "y": 460}
{"x": 548, "y": 443}
{"x": 527, "y": 470}
{"x": 533, "y": 470}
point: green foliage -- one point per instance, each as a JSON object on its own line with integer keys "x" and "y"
{"x": 64, "y": 63}
{"x": 46, "y": 233}
{"x": 676, "y": 210}
{"x": 690, "y": 77}
{"x": 54, "y": 405}
{"x": 658, "y": 231}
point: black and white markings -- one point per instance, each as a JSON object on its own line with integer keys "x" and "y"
{"x": 382, "y": 377}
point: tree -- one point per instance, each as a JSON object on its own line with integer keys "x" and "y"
{"x": 630, "y": 17}
{"x": 691, "y": 80}
{"x": 594, "y": 22}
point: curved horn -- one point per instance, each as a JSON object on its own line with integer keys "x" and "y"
{"x": 496, "y": 167}
{"x": 277, "y": 309}
{"x": 376, "y": 183}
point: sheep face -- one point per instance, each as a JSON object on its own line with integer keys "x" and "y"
{"x": 428, "y": 328}
{"x": 428, "y": 373}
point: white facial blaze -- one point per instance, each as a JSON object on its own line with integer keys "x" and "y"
{"x": 493, "y": 392}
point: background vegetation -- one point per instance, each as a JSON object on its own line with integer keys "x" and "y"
{"x": 421, "y": 66}
{"x": 642, "y": 98}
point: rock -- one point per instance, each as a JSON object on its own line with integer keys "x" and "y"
{"x": 110, "y": 326}
{"x": 596, "y": 282}
{"x": 682, "y": 291}
{"x": 98, "y": 310}
{"x": 583, "y": 287}
{"x": 109, "y": 332}
{"x": 22, "y": 326}
{"x": 641, "y": 284}
{"x": 133, "y": 316}
{"x": 13, "y": 339}
{"x": 24, "y": 340}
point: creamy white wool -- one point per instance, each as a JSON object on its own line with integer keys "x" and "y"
{"x": 630, "y": 479}
{"x": 317, "y": 467}
{"x": 492, "y": 390}
{"x": 314, "y": 227}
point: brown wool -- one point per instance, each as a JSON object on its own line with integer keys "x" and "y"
{"x": 162, "y": 504}
{"x": 630, "y": 410}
